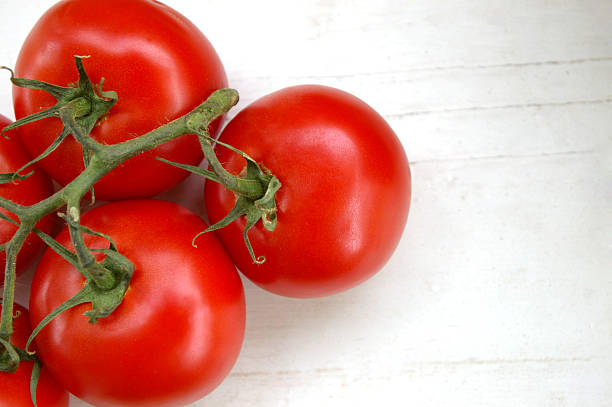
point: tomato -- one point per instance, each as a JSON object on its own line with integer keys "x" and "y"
{"x": 16, "y": 386}
{"x": 158, "y": 62}
{"x": 345, "y": 190}
{"x": 26, "y": 192}
{"x": 177, "y": 332}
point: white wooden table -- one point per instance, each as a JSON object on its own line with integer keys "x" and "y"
{"x": 500, "y": 293}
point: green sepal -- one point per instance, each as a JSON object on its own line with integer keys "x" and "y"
{"x": 7, "y": 177}
{"x": 252, "y": 216}
{"x": 93, "y": 105}
{"x": 266, "y": 205}
{"x": 239, "y": 209}
{"x": 51, "y": 148}
{"x": 193, "y": 169}
{"x": 79, "y": 298}
{"x": 103, "y": 302}
{"x": 12, "y": 356}
{"x": 58, "y": 92}
{"x": 243, "y": 206}
{"x": 79, "y": 108}
{"x": 36, "y": 369}
{"x": 262, "y": 207}
{"x": 9, "y": 358}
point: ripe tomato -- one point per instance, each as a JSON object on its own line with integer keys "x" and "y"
{"x": 16, "y": 386}
{"x": 158, "y": 62}
{"x": 345, "y": 195}
{"x": 26, "y": 192}
{"x": 177, "y": 332}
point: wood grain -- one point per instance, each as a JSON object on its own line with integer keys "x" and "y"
{"x": 501, "y": 290}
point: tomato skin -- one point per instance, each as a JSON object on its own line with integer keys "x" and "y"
{"x": 16, "y": 386}
{"x": 345, "y": 195}
{"x": 179, "y": 329}
{"x": 26, "y": 192}
{"x": 158, "y": 62}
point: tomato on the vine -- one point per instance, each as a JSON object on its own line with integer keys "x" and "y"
{"x": 25, "y": 192}
{"x": 158, "y": 62}
{"x": 15, "y": 387}
{"x": 345, "y": 190}
{"x": 179, "y": 329}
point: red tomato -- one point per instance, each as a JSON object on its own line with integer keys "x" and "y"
{"x": 158, "y": 62}
{"x": 26, "y": 192}
{"x": 345, "y": 190}
{"x": 16, "y": 386}
{"x": 179, "y": 329}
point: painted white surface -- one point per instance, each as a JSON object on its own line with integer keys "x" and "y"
{"x": 500, "y": 294}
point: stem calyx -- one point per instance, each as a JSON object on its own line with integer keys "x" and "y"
{"x": 255, "y": 191}
{"x": 88, "y": 104}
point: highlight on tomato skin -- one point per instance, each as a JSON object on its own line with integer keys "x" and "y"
{"x": 345, "y": 193}
{"x": 27, "y": 191}
{"x": 15, "y": 387}
{"x": 159, "y": 63}
{"x": 179, "y": 329}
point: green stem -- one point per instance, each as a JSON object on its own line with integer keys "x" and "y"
{"x": 227, "y": 179}
{"x": 11, "y": 206}
{"x": 216, "y": 105}
{"x": 8, "y": 296}
{"x": 242, "y": 186}
{"x": 90, "y": 267}
{"x": 110, "y": 156}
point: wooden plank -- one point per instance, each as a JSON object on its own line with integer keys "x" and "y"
{"x": 497, "y": 298}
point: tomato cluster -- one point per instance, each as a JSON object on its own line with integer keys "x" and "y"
{"x": 339, "y": 213}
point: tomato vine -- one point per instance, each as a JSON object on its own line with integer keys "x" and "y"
{"x": 79, "y": 109}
